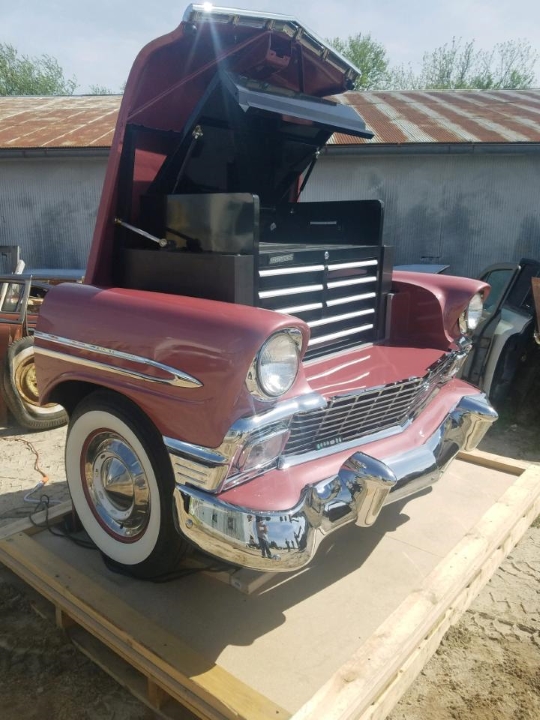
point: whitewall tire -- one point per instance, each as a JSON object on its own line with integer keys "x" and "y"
{"x": 121, "y": 484}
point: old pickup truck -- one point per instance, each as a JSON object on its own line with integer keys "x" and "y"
{"x": 22, "y": 292}
{"x": 242, "y": 370}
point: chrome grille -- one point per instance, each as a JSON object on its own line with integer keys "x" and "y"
{"x": 334, "y": 291}
{"x": 351, "y": 417}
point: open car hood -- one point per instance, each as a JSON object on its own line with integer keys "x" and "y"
{"x": 175, "y": 70}
{"x": 232, "y": 101}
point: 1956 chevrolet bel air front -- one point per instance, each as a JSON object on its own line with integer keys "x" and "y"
{"x": 250, "y": 375}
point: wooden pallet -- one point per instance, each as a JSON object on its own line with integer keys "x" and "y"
{"x": 178, "y": 682}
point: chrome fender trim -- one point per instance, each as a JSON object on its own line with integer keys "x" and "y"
{"x": 176, "y": 377}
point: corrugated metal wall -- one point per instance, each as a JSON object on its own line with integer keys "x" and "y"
{"x": 48, "y": 207}
{"x": 467, "y": 210}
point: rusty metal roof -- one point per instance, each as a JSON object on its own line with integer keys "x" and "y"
{"x": 446, "y": 116}
{"x": 435, "y": 116}
{"x": 58, "y": 122}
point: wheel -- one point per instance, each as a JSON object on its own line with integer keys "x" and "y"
{"x": 21, "y": 392}
{"x": 121, "y": 483}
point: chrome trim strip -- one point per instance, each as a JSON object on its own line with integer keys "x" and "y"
{"x": 288, "y": 461}
{"x": 346, "y": 265}
{"x": 354, "y": 281}
{"x": 300, "y": 308}
{"x": 287, "y": 539}
{"x": 350, "y": 298}
{"x": 290, "y": 270}
{"x": 340, "y": 318}
{"x": 212, "y": 465}
{"x": 289, "y": 25}
{"x": 341, "y": 333}
{"x": 290, "y": 291}
{"x": 204, "y": 455}
{"x": 178, "y": 379}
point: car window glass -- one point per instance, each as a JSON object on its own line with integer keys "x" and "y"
{"x": 498, "y": 279}
{"x": 10, "y": 296}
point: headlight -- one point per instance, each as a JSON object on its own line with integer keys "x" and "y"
{"x": 468, "y": 320}
{"x": 275, "y": 367}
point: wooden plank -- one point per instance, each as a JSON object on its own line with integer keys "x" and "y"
{"x": 56, "y": 513}
{"x": 244, "y": 580}
{"x": 125, "y": 674}
{"x": 201, "y": 685}
{"x": 494, "y": 462}
{"x": 374, "y": 678}
{"x": 63, "y": 621}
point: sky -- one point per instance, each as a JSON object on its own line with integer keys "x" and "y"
{"x": 96, "y": 42}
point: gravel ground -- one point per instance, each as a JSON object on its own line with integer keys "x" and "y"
{"x": 487, "y": 668}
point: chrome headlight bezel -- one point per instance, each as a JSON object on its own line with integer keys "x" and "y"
{"x": 472, "y": 315}
{"x": 257, "y": 380}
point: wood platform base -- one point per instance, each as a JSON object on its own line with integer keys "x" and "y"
{"x": 340, "y": 640}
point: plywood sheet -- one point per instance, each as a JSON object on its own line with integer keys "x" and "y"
{"x": 286, "y": 640}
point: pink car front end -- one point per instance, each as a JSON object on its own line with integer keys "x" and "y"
{"x": 250, "y": 375}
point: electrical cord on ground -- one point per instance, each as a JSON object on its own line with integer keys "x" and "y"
{"x": 63, "y": 529}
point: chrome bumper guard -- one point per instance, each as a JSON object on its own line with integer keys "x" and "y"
{"x": 288, "y": 539}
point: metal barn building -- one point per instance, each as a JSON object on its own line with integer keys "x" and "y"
{"x": 458, "y": 171}
{"x": 53, "y": 155}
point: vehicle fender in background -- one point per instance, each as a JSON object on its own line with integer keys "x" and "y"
{"x": 425, "y": 308}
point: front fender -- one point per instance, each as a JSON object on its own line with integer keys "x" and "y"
{"x": 213, "y": 342}
{"x": 426, "y": 308}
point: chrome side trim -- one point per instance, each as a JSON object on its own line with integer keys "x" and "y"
{"x": 177, "y": 379}
{"x": 287, "y": 539}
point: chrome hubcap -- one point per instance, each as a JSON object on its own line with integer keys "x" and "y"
{"x": 115, "y": 485}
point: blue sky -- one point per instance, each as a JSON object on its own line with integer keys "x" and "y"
{"x": 97, "y": 41}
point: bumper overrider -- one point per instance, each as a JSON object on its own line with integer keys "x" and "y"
{"x": 288, "y": 539}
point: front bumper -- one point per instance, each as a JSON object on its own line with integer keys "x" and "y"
{"x": 357, "y": 494}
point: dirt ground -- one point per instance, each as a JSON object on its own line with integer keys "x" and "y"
{"x": 487, "y": 667}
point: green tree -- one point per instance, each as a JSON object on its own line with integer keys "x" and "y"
{"x": 100, "y": 90}
{"x": 460, "y": 65}
{"x": 369, "y": 56}
{"x": 23, "y": 75}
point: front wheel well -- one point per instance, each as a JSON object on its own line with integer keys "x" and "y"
{"x": 71, "y": 393}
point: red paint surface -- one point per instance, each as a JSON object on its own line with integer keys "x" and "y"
{"x": 369, "y": 367}
{"x": 214, "y": 342}
{"x": 426, "y": 308}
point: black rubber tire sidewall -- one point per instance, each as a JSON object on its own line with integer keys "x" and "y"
{"x": 20, "y": 410}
